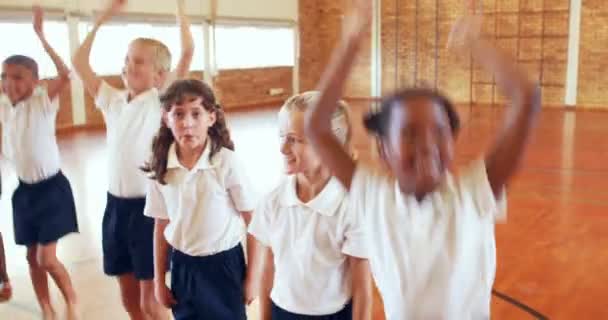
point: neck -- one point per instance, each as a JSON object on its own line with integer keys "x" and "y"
{"x": 134, "y": 93}
{"x": 310, "y": 184}
{"x": 188, "y": 157}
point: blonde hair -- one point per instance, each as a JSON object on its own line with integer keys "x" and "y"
{"x": 162, "y": 55}
{"x": 340, "y": 122}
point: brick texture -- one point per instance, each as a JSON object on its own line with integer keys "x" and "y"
{"x": 593, "y": 58}
{"x": 320, "y": 27}
{"x": 414, "y": 36}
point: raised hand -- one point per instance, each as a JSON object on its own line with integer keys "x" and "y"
{"x": 38, "y": 19}
{"x": 467, "y": 28}
{"x": 359, "y": 19}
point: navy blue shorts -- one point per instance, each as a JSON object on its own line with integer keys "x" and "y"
{"x": 209, "y": 287}
{"x": 128, "y": 238}
{"x": 279, "y": 314}
{"x": 44, "y": 212}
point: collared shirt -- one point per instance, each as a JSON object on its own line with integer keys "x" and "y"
{"x": 311, "y": 243}
{"x": 29, "y": 139}
{"x": 131, "y": 127}
{"x": 434, "y": 259}
{"x": 202, "y": 205}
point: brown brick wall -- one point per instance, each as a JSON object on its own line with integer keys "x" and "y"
{"x": 593, "y": 58}
{"x": 239, "y": 88}
{"x": 409, "y": 55}
{"x": 320, "y": 23}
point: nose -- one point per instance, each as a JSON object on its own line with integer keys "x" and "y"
{"x": 188, "y": 121}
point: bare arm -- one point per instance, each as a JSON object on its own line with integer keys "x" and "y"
{"x": 161, "y": 247}
{"x": 362, "y": 289}
{"x": 3, "y": 273}
{"x": 331, "y": 86}
{"x": 63, "y": 73}
{"x": 183, "y": 65}
{"x": 80, "y": 60}
{"x": 267, "y": 281}
{"x": 506, "y": 153}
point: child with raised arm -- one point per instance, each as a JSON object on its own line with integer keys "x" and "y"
{"x": 132, "y": 118}
{"x": 43, "y": 204}
{"x": 430, "y": 233}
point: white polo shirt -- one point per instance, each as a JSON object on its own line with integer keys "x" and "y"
{"x": 131, "y": 127}
{"x": 202, "y": 205}
{"x": 435, "y": 259}
{"x": 311, "y": 243}
{"x": 28, "y": 138}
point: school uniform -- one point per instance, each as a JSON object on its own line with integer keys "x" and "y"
{"x": 43, "y": 203}
{"x": 311, "y": 243}
{"x": 205, "y": 230}
{"x": 433, "y": 259}
{"x": 127, "y": 234}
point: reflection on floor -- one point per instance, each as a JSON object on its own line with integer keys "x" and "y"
{"x": 552, "y": 253}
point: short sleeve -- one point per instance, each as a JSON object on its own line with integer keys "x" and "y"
{"x": 238, "y": 185}
{"x": 41, "y": 95}
{"x": 155, "y": 202}
{"x": 367, "y": 186}
{"x": 355, "y": 240}
{"x": 474, "y": 181}
{"x": 260, "y": 223}
{"x": 105, "y": 95}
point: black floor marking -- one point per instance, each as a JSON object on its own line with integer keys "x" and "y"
{"x": 520, "y": 305}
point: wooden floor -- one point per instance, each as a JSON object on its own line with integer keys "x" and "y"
{"x": 552, "y": 252}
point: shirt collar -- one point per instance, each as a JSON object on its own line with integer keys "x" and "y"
{"x": 325, "y": 203}
{"x": 202, "y": 163}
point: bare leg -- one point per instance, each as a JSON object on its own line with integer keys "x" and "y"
{"x": 5, "y": 291}
{"x": 47, "y": 258}
{"x": 129, "y": 292}
{"x": 41, "y": 284}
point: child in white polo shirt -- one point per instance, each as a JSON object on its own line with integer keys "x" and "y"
{"x": 315, "y": 246}
{"x": 430, "y": 233}
{"x": 43, "y": 204}
{"x": 132, "y": 118}
{"x": 199, "y": 197}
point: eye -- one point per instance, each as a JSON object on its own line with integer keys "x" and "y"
{"x": 196, "y": 114}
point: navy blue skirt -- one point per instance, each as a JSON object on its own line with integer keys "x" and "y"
{"x": 280, "y": 314}
{"x": 44, "y": 212}
{"x": 209, "y": 287}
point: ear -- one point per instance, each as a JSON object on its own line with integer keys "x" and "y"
{"x": 212, "y": 118}
{"x": 161, "y": 78}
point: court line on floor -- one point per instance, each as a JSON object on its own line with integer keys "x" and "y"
{"x": 522, "y": 306}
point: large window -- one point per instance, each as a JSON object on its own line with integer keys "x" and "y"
{"x": 20, "y": 38}
{"x": 239, "y": 47}
{"x": 112, "y": 41}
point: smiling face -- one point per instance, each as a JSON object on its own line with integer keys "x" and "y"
{"x": 298, "y": 154}
{"x": 418, "y": 144}
{"x": 18, "y": 82}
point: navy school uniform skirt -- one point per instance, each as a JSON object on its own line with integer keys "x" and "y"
{"x": 280, "y": 314}
{"x": 127, "y": 238}
{"x": 44, "y": 212}
{"x": 209, "y": 287}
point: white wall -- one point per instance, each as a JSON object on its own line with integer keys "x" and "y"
{"x": 254, "y": 9}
